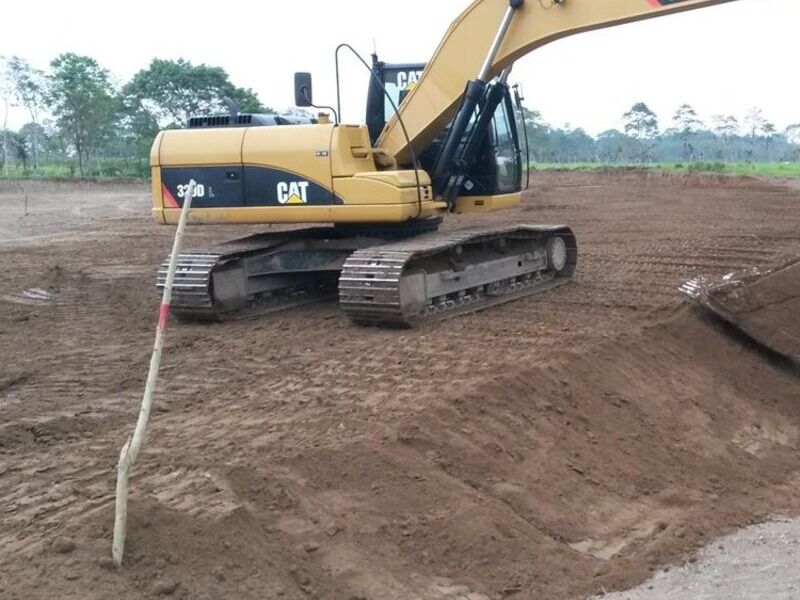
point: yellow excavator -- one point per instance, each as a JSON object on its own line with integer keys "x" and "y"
{"x": 439, "y": 138}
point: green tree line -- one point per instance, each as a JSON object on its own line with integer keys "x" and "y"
{"x": 82, "y": 121}
{"x": 685, "y": 138}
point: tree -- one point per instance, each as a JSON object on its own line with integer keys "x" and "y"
{"x": 6, "y": 145}
{"x": 14, "y": 150}
{"x": 769, "y": 133}
{"x": 539, "y": 134}
{"x": 20, "y": 150}
{"x": 33, "y": 137}
{"x": 27, "y": 89}
{"x": 792, "y": 135}
{"x": 726, "y": 127}
{"x": 81, "y": 98}
{"x": 137, "y": 127}
{"x": 641, "y": 123}
{"x": 614, "y": 146}
{"x": 758, "y": 126}
{"x": 4, "y": 93}
{"x": 54, "y": 143}
{"x": 173, "y": 91}
{"x": 687, "y": 124}
{"x": 755, "y": 122}
{"x": 573, "y": 145}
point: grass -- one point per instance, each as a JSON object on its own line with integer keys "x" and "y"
{"x": 730, "y": 168}
{"x": 107, "y": 168}
{"x": 128, "y": 169}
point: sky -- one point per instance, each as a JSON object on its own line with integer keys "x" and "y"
{"x": 721, "y": 59}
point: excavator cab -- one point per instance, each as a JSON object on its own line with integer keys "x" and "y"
{"x": 493, "y": 177}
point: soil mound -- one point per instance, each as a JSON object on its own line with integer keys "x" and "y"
{"x": 535, "y": 483}
{"x": 763, "y": 304}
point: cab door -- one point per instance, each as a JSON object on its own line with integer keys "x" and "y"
{"x": 498, "y": 167}
{"x": 507, "y": 155}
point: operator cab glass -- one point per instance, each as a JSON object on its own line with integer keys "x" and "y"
{"x": 498, "y": 167}
{"x": 398, "y": 80}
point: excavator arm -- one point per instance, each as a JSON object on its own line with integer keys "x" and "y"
{"x": 508, "y": 30}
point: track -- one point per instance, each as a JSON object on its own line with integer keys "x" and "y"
{"x": 457, "y": 273}
{"x": 432, "y": 275}
{"x": 210, "y": 285}
{"x": 272, "y": 271}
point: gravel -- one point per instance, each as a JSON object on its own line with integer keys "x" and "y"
{"x": 762, "y": 561}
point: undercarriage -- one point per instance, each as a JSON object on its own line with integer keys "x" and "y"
{"x": 390, "y": 275}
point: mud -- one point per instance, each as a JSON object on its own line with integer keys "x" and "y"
{"x": 555, "y": 447}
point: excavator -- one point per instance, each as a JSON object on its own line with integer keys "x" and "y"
{"x": 439, "y": 138}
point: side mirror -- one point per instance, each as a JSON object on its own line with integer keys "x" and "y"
{"x": 303, "y": 93}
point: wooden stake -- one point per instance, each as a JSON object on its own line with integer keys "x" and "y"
{"x": 130, "y": 451}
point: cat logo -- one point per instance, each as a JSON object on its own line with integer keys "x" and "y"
{"x": 407, "y": 80}
{"x": 293, "y": 192}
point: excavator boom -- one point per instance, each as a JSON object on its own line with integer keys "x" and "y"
{"x": 462, "y": 54}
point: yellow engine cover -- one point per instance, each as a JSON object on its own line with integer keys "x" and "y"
{"x": 283, "y": 174}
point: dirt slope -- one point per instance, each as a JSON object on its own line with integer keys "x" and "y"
{"x": 551, "y": 448}
{"x": 764, "y": 305}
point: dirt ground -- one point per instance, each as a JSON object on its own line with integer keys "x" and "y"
{"x": 556, "y": 447}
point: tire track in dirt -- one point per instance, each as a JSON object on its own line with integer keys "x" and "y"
{"x": 572, "y": 464}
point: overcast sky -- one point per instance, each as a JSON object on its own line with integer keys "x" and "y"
{"x": 723, "y": 59}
